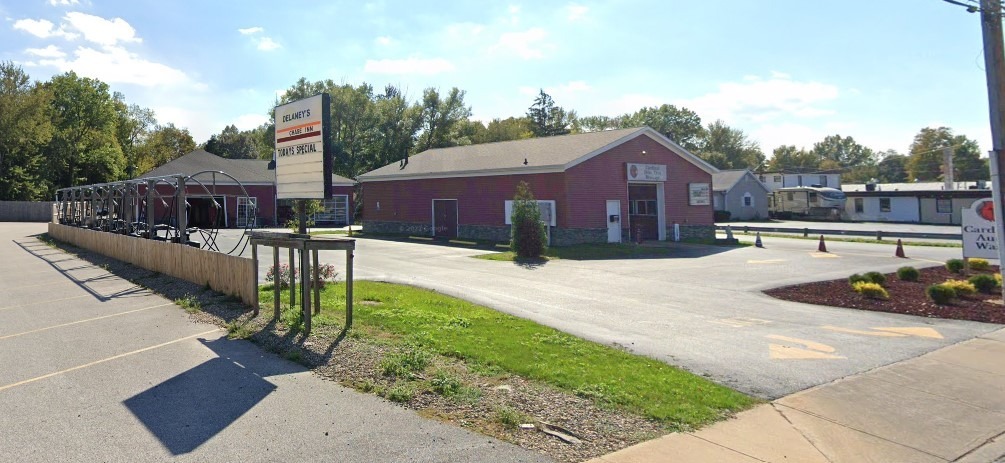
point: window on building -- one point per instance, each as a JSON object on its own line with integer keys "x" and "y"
{"x": 777, "y": 179}
{"x": 748, "y": 201}
{"x": 761, "y": 178}
{"x": 799, "y": 180}
{"x": 943, "y": 205}
{"x": 823, "y": 180}
{"x": 859, "y": 205}
{"x": 884, "y": 204}
{"x": 643, "y": 207}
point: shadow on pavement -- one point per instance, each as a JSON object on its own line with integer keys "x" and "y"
{"x": 189, "y": 409}
{"x": 83, "y": 284}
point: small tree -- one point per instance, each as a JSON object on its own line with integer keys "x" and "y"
{"x": 529, "y": 238}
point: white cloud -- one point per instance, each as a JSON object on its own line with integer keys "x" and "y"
{"x": 576, "y": 12}
{"x": 100, "y": 30}
{"x": 250, "y": 121}
{"x": 383, "y": 40}
{"x": 267, "y": 44}
{"x": 762, "y": 100}
{"x": 118, "y": 65}
{"x": 51, "y": 51}
{"x": 64, "y": 2}
{"x": 41, "y": 28}
{"x": 525, "y": 44}
{"x": 251, "y": 30}
{"x": 408, "y": 66}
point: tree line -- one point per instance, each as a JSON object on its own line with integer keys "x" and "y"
{"x": 73, "y": 130}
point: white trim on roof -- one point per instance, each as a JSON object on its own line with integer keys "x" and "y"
{"x": 657, "y": 137}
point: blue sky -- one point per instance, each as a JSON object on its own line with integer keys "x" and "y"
{"x": 784, "y": 71}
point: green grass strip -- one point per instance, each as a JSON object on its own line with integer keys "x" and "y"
{"x": 481, "y": 336}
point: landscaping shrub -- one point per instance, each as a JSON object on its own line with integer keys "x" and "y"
{"x": 857, "y": 278}
{"x": 876, "y": 277}
{"x": 908, "y": 273}
{"x": 998, "y": 278}
{"x": 961, "y": 287}
{"x": 871, "y": 290}
{"x": 940, "y": 294}
{"x": 283, "y": 277}
{"x": 529, "y": 238}
{"x": 954, "y": 265}
{"x": 984, "y": 283}
{"x": 979, "y": 264}
{"x": 721, "y": 216}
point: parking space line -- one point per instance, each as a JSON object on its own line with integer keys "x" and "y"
{"x": 84, "y": 321}
{"x": 44, "y": 302}
{"x": 98, "y": 362}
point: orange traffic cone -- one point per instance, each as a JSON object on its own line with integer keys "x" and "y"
{"x": 757, "y": 242}
{"x": 822, "y": 247}
{"x": 900, "y": 249}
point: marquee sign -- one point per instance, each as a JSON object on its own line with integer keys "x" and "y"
{"x": 699, "y": 194}
{"x": 647, "y": 172}
{"x": 303, "y": 152}
{"x": 978, "y": 230}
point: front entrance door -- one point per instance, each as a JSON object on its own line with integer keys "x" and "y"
{"x": 613, "y": 221}
{"x": 445, "y": 218}
{"x": 643, "y": 212}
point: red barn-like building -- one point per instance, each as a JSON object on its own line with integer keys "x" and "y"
{"x": 608, "y": 186}
{"x": 254, "y": 175}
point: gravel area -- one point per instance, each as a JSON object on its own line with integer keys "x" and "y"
{"x": 906, "y": 297}
{"x": 504, "y": 406}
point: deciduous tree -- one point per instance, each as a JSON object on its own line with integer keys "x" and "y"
{"x": 25, "y": 130}
{"x": 727, "y": 148}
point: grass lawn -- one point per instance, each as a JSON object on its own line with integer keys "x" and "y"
{"x": 415, "y": 319}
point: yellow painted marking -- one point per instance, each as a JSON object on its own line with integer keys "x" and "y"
{"x": 862, "y": 332}
{"x": 779, "y": 351}
{"x": 469, "y": 243}
{"x": 823, "y": 255}
{"x": 769, "y": 261}
{"x": 740, "y": 322}
{"x": 423, "y": 238}
{"x": 810, "y": 344}
{"x": 43, "y": 302}
{"x": 922, "y": 332}
{"x": 83, "y": 321}
{"x": 98, "y": 362}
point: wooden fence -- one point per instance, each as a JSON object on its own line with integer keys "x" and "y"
{"x": 236, "y": 276}
{"x": 26, "y": 211}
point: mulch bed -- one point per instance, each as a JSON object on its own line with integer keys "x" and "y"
{"x": 906, "y": 297}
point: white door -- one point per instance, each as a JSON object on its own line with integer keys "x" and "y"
{"x": 613, "y": 221}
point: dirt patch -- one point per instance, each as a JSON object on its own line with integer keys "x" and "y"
{"x": 906, "y": 297}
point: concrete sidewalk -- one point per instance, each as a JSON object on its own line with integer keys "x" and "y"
{"x": 946, "y": 406}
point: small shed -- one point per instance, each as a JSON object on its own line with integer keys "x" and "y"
{"x": 740, "y": 193}
{"x": 609, "y": 186}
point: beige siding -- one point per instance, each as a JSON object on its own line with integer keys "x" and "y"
{"x": 226, "y": 274}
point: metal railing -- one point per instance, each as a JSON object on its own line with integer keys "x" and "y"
{"x": 877, "y": 234}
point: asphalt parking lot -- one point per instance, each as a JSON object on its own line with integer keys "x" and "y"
{"x": 702, "y": 310}
{"x": 94, "y": 368}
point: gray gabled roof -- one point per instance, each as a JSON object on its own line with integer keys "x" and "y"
{"x": 529, "y": 156}
{"x": 248, "y": 171}
{"x": 725, "y": 180}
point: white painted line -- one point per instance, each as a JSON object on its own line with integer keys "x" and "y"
{"x": 44, "y": 302}
{"x": 98, "y": 362}
{"x": 84, "y": 321}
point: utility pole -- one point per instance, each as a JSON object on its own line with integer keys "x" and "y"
{"x": 994, "y": 64}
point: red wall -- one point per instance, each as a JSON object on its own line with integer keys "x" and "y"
{"x": 604, "y": 177}
{"x": 264, "y": 193}
{"x": 481, "y": 200}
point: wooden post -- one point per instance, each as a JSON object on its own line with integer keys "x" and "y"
{"x": 348, "y": 288}
{"x": 293, "y": 279}
{"x": 277, "y": 280}
{"x": 254, "y": 258}
{"x": 316, "y": 283}
{"x": 305, "y": 286}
